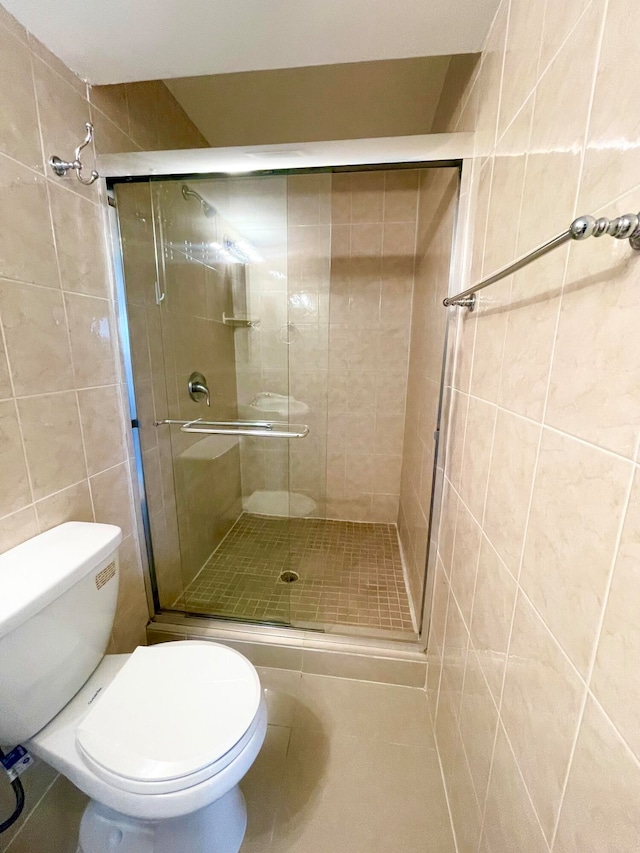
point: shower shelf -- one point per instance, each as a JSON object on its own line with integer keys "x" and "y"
{"x": 262, "y": 429}
{"x": 241, "y": 322}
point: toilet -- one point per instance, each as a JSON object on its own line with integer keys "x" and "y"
{"x": 158, "y": 739}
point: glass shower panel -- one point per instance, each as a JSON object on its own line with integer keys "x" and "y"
{"x": 307, "y": 339}
{"x": 307, "y": 336}
{"x": 147, "y": 382}
{"x": 223, "y": 303}
{"x": 206, "y": 285}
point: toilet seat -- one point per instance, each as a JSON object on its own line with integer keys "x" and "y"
{"x": 174, "y": 715}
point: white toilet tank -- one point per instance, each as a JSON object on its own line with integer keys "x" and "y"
{"x": 58, "y": 594}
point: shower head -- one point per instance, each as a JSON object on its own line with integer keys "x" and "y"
{"x": 208, "y": 209}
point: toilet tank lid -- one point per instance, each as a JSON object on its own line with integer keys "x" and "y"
{"x": 38, "y": 571}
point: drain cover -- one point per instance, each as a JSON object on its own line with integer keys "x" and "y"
{"x": 289, "y": 577}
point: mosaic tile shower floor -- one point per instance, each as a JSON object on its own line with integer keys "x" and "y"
{"x": 350, "y": 574}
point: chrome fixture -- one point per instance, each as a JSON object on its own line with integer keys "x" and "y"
{"x": 626, "y": 227}
{"x": 160, "y": 295}
{"x": 263, "y": 429}
{"x": 208, "y": 209}
{"x": 288, "y": 333}
{"x": 289, "y": 577}
{"x": 241, "y": 322}
{"x": 197, "y": 387}
{"x": 61, "y": 167}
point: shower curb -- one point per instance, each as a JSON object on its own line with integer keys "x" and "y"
{"x": 361, "y": 658}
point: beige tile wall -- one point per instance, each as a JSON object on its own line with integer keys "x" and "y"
{"x": 63, "y": 448}
{"x": 259, "y": 208}
{"x": 534, "y": 647}
{"x": 437, "y": 206}
{"x": 289, "y": 220}
{"x": 348, "y": 255}
{"x": 373, "y": 244}
{"x": 308, "y": 294}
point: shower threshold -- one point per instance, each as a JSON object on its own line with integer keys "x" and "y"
{"x": 381, "y": 659}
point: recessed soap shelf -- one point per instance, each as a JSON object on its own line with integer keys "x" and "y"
{"x": 241, "y": 322}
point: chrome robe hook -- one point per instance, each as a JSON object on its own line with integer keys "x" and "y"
{"x": 61, "y": 167}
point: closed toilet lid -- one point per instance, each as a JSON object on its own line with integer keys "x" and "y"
{"x": 172, "y": 710}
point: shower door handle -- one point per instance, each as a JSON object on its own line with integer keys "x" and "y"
{"x": 262, "y": 429}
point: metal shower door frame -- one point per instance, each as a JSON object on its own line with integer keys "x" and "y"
{"x": 115, "y": 169}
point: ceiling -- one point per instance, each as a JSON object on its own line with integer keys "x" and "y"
{"x": 122, "y": 41}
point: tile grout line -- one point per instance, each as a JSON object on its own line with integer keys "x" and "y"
{"x": 564, "y": 41}
{"x": 631, "y": 753}
{"x": 444, "y": 784}
{"x": 55, "y": 249}
{"x": 594, "y": 651}
{"x": 71, "y": 358}
{"x": 32, "y": 811}
{"x": 6, "y": 351}
{"x": 503, "y": 62}
{"x": 586, "y": 680}
{"x": 533, "y": 607}
{"x": 524, "y": 784}
{"x": 580, "y": 717}
{"x": 556, "y": 430}
{"x": 508, "y": 649}
{"x": 541, "y": 73}
{"x": 441, "y": 650}
{"x": 519, "y": 590}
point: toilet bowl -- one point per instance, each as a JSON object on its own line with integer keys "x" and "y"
{"x": 158, "y": 739}
{"x": 158, "y": 736}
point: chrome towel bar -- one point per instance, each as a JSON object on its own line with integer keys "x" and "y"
{"x": 625, "y": 227}
{"x": 262, "y": 429}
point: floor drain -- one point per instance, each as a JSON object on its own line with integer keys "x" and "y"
{"x": 289, "y": 577}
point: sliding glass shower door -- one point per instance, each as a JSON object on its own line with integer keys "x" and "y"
{"x": 207, "y": 268}
{"x": 285, "y": 425}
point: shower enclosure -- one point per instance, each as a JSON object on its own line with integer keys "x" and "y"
{"x": 284, "y": 346}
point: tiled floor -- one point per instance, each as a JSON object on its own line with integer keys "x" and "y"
{"x": 349, "y": 574}
{"x": 346, "y": 767}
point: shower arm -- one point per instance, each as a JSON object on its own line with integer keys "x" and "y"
{"x": 187, "y": 193}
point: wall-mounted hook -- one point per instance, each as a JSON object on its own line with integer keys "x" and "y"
{"x": 61, "y": 167}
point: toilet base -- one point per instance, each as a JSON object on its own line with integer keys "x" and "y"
{"x": 216, "y": 828}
